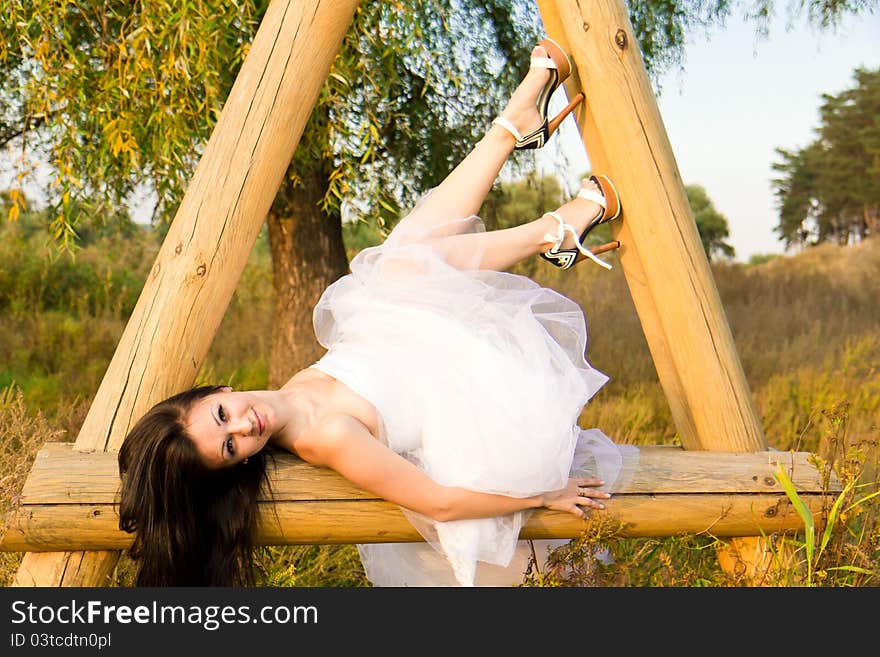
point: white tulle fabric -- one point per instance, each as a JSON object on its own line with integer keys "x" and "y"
{"x": 478, "y": 376}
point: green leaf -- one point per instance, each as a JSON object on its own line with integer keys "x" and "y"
{"x": 804, "y": 513}
{"x": 832, "y": 517}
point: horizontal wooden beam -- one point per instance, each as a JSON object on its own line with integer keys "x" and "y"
{"x": 68, "y": 501}
{"x": 95, "y": 527}
{"x": 63, "y": 475}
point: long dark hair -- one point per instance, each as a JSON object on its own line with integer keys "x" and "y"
{"x": 192, "y": 525}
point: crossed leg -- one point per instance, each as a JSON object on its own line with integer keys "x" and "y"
{"x": 466, "y": 189}
{"x": 462, "y": 192}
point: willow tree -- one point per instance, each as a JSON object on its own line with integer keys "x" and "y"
{"x": 109, "y": 98}
{"x": 114, "y": 98}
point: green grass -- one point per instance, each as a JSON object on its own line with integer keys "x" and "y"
{"x": 805, "y": 326}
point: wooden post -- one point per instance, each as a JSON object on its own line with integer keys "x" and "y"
{"x": 663, "y": 260}
{"x": 208, "y": 244}
{"x": 661, "y": 254}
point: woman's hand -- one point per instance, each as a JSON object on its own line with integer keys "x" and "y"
{"x": 578, "y": 493}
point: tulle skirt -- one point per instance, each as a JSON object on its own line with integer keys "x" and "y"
{"x": 479, "y": 378}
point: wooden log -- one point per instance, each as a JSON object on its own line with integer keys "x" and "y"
{"x": 662, "y": 257}
{"x": 208, "y": 244}
{"x": 670, "y": 492}
{"x": 63, "y": 475}
{"x": 49, "y": 527}
{"x": 96, "y": 567}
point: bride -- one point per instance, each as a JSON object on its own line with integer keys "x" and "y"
{"x": 449, "y": 387}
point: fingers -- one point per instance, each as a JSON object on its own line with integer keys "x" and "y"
{"x": 589, "y": 496}
{"x": 585, "y": 501}
{"x": 580, "y": 492}
{"x": 591, "y": 492}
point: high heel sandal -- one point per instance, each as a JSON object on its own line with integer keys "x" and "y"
{"x": 560, "y": 68}
{"x": 609, "y": 208}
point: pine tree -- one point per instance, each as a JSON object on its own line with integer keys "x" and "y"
{"x": 829, "y": 191}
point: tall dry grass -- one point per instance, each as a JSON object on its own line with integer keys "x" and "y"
{"x": 806, "y": 328}
{"x": 22, "y": 433}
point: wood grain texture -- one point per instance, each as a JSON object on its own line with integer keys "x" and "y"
{"x": 74, "y": 569}
{"x": 669, "y": 491}
{"x": 63, "y": 475}
{"x": 48, "y": 527}
{"x": 208, "y": 244}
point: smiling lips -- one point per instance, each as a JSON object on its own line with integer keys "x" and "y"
{"x": 260, "y": 422}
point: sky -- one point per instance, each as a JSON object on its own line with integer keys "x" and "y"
{"x": 741, "y": 96}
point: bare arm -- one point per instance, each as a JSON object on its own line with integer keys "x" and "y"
{"x": 344, "y": 444}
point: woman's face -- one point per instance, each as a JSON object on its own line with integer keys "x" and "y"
{"x": 228, "y": 426}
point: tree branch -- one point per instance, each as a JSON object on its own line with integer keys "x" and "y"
{"x": 27, "y": 126}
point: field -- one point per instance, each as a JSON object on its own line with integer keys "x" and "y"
{"x": 806, "y": 327}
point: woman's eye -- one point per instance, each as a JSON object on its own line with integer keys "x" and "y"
{"x": 229, "y": 447}
{"x": 221, "y": 414}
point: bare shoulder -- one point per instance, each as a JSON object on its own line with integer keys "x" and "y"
{"x": 326, "y": 435}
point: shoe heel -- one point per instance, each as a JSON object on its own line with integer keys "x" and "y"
{"x": 598, "y": 250}
{"x": 553, "y": 124}
{"x": 604, "y": 248}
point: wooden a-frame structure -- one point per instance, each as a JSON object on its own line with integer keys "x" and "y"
{"x": 720, "y": 481}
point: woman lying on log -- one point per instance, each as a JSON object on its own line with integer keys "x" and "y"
{"x": 449, "y": 387}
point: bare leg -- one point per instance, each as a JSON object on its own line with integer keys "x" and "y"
{"x": 501, "y": 249}
{"x": 462, "y": 192}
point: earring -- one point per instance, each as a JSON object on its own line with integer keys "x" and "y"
{"x": 244, "y": 460}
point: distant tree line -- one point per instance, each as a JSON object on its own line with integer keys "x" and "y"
{"x": 829, "y": 190}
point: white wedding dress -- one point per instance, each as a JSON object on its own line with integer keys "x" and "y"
{"x": 479, "y": 378}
